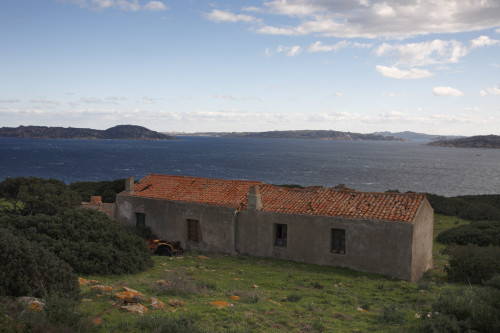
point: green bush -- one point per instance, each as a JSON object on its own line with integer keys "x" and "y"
{"x": 471, "y": 207}
{"x": 472, "y": 263}
{"x": 86, "y": 239}
{"x": 31, "y": 196}
{"x": 470, "y": 309}
{"x": 391, "y": 314}
{"x": 106, "y": 189}
{"x": 26, "y": 269}
{"x": 483, "y": 233}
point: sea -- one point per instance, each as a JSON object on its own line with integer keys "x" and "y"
{"x": 363, "y": 165}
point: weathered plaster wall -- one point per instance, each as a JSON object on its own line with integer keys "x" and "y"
{"x": 422, "y": 241}
{"x": 168, "y": 220}
{"x": 371, "y": 246}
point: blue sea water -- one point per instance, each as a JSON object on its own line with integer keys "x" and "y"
{"x": 363, "y": 165}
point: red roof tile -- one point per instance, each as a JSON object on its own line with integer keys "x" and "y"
{"x": 314, "y": 201}
{"x": 210, "y": 191}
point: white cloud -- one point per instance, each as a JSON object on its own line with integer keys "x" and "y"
{"x": 155, "y": 6}
{"x": 289, "y": 51}
{"x": 10, "y": 100}
{"x": 127, "y": 5}
{"x": 482, "y": 41}
{"x": 226, "y": 16}
{"x": 396, "y": 73}
{"x": 446, "y": 91}
{"x": 44, "y": 101}
{"x": 339, "y": 94}
{"x": 490, "y": 91}
{"x": 320, "y": 47}
{"x": 425, "y": 53}
{"x": 377, "y": 18}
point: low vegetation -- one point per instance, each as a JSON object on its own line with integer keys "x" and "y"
{"x": 481, "y": 233}
{"x": 106, "y": 189}
{"x": 222, "y": 293}
{"x": 85, "y": 239}
{"x": 27, "y": 269}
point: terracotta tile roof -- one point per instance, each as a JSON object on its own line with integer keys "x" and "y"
{"x": 349, "y": 204}
{"x": 210, "y": 191}
{"x": 310, "y": 201}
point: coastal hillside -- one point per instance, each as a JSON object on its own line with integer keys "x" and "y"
{"x": 417, "y": 136}
{"x": 302, "y": 134}
{"x": 481, "y": 141}
{"x": 120, "y": 132}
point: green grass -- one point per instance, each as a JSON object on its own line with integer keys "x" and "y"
{"x": 275, "y": 295}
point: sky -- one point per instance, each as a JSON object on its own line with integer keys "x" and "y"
{"x": 196, "y": 66}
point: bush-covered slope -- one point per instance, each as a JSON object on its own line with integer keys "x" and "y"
{"x": 29, "y": 269}
{"x": 87, "y": 240}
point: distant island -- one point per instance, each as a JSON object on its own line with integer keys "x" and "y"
{"x": 480, "y": 141}
{"x": 302, "y": 134}
{"x": 418, "y": 136}
{"x": 120, "y": 132}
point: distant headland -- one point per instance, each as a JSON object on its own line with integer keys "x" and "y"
{"x": 480, "y": 141}
{"x": 120, "y": 132}
{"x": 301, "y": 134}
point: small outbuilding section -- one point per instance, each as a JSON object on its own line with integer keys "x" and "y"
{"x": 384, "y": 233}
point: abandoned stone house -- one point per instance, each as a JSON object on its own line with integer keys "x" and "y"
{"x": 384, "y": 233}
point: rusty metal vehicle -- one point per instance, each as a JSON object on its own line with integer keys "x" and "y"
{"x": 162, "y": 247}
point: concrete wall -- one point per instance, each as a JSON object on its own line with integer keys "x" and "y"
{"x": 168, "y": 220}
{"x": 371, "y": 246}
{"x": 423, "y": 236}
{"x": 401, "y": 250}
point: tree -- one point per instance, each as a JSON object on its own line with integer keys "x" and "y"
{"x": 32, "y": 195}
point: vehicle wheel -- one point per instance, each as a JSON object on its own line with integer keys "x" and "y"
{"x": 164, "y": 251}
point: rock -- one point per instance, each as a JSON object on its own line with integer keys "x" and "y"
{"x": 156, "y": 304}
{"x": 130, "y": 295}
{"x": 102, "y": 289}
{"x": 176, "y": 303}
{"x": 85, "y": 282}
{"x": 362, "y": 310}
{"x": 222, "y": 304}
{"x": 203, "y": 257}
{"x": 236, "y": 298}
{"x": 134, "y": 308}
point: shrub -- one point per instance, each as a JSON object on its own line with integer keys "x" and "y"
{"x": 468, "y": 309}
{"x": 472, "y": 263}
{"x": 391, "y": 314}
{"x": 293, "y": 298}
{"x": 482, "y": 233}
{"x": 38, "y": 196}
{"x": 181, "y": 323}
{"x": 106, "y": 189}
{"x": 27, "y": 269}
{"x": 86, "y": 239}
{"x": 471, "y": 207}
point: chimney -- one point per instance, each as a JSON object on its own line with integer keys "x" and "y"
{"x": 129, "y": 185}
{"x": 253, "y": 198}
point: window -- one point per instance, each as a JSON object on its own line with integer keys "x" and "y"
{"x": 338, "y": 241}
{"x": 140, "y": 220}
{"x": 193, "y": 230}
{"x": 280, "y": 235}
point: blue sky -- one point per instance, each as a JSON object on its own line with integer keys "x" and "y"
{"x": 191, "y": 66}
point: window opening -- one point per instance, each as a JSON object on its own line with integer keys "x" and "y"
{"x": 338, "y": 241}
{"x": 193, "y": 230}
{"x": 280, "y": 235}
{"x": 140, "y": 220}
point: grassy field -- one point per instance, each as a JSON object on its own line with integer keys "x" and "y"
{"x": 274, "y": 295}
